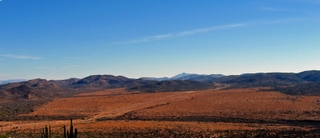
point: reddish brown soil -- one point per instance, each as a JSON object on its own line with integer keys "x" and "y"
{"x": 236, "y": 103}
{"x": 110, "y": 103}
{"x": 240, "y": 103}
{"x": 110, "y": 126}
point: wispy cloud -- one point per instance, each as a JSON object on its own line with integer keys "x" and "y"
{"x": 20, "y": 56}
{"x": 145, "y": 39}
{"x": 162, "y": 36}
{"x": 209, "y": 29}
{"x": 183, "y": 33}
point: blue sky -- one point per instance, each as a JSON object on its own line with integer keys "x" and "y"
{"x": 59, "y": 39}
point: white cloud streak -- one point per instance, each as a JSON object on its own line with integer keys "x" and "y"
{"x": 183, "y": 33}
{"x": 20, "y": 56}
{"x": 145, "y": 39}
{"x": 208, "y": 29}
{"x": 162, "y": 36}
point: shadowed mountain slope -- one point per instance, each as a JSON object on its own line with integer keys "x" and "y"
{"x": 310, "y": 76}
{"x": 262, "y": 80}
{"x": 172, "y": 86}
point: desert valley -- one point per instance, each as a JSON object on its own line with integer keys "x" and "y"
{"x": 187, "y": 105}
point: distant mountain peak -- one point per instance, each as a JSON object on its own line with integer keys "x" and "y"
{"x": 193, "y": 76}
{"x": 181, "y": 75}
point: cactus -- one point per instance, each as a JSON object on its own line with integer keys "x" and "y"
{"x": 71, "y": 129}
{"x": 46, "y": 132}
{"x": 72, "y": 133}
{"x": 64, "y": 131}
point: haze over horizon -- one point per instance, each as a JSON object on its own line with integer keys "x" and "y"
{"x": 58, "y": 39}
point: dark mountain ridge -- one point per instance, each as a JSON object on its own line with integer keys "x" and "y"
{"x": 262, "y": 80}
{"x": 310, "y": 76}
{"x": 172, "y": 86}
{"x": 184, "y": 79}
{"x": 303, "y": 83}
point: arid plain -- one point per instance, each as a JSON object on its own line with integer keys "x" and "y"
{"x": 207, "y": 111}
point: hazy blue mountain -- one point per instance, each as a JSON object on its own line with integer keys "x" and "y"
{"x": 182, "y": 76}
{"x": 195, "y": 77}
{"x": 186, "y": 76}
{"x": 2, "y": 82}
{"x": 155, "y": 78}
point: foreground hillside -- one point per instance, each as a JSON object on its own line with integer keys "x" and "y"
{"x": 191, "y": 113}
{"x": 254, "y": 104}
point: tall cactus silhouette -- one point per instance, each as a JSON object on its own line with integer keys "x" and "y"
{"x": 46, "y": 132}
{"x": 72, "y": 133}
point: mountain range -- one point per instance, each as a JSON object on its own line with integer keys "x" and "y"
{"x": 180, "y": 82}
